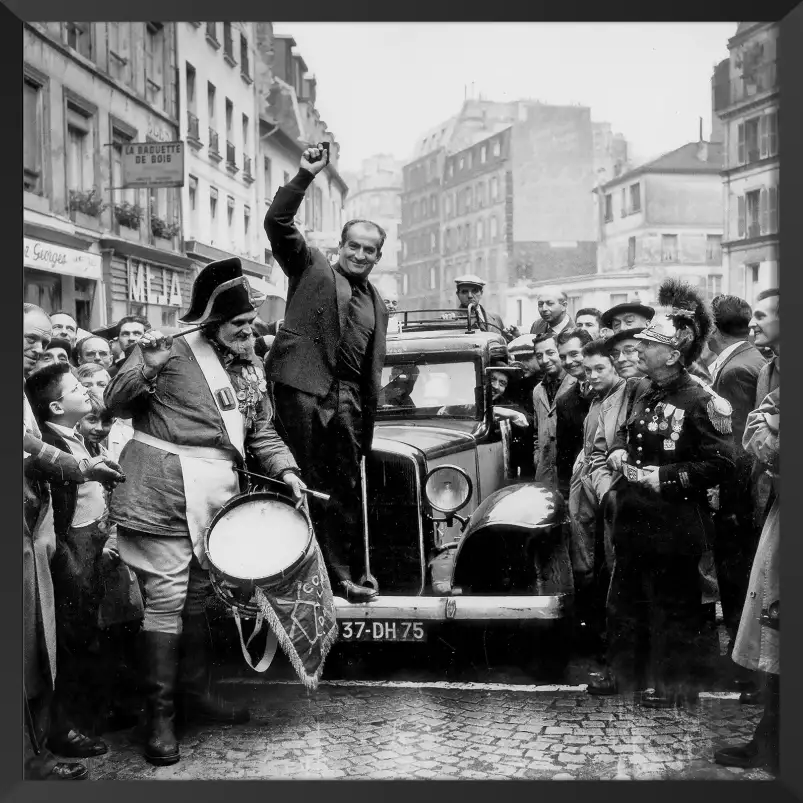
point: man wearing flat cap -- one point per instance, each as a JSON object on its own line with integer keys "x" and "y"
{"x": 326, "y": 368}
{"x": 469, "y": 290}
{"x": 199, "y": 403}
{"x": 671, "y": 448}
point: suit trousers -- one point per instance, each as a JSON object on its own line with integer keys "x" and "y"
{"x": 173, "y": 582}
{"x": 325, "y": 437}
{"x": 77, "y": 590}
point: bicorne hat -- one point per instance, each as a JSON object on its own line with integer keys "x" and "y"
{"x": 219, "y": 293}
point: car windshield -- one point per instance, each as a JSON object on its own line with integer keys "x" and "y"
{"x": 426, "y": 388}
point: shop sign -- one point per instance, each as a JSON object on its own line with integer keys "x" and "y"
{"x": 153, "y": 164}
{"x": 58, "y": 259}
{"x": 151, "y": 285}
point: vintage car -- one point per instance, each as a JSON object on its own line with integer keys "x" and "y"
{"x": 451, "y": 537}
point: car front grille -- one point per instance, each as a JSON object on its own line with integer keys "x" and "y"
{"x": 394, "y": 523}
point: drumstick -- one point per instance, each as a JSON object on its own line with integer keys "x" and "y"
{"x": 316, "y": 494}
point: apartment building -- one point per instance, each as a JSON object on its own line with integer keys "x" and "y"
{"x": 747, "y": 99}
{"x": 91, "y": 247}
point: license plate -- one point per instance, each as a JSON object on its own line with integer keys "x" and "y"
{"x": 380, "y": 630}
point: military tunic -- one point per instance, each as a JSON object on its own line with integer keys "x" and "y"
{"x": 654, "y": 602}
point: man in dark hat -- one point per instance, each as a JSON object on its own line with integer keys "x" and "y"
{"x": 671, "y": 449}
{"x": 326, "y": 365}
{"x": 199, "y": 404}
{"x": 629, "y": 315}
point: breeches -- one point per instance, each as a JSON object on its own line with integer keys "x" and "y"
{"x": 173, "y": 581}
{"x": 325, "y": 437}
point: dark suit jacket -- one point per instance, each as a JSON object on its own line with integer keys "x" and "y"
{"x": 541, "y": 326}
{"x": 64, "y": 493}
{"x": 736, "y": 381}
{"x": 304, "y": 354}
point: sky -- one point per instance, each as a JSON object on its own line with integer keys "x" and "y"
{"x": 382, "y": 85}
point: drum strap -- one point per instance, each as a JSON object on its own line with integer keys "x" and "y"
{"x": 271, "y": 642}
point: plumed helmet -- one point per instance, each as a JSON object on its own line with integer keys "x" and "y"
{"x": 219, "y": 293}
{"x": 687, "y": 323}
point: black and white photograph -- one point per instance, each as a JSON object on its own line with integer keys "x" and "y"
{"x": 401, "y": 400}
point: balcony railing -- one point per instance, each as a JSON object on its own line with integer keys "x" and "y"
{"x": 193, "y": 128}
{"x": 214, "y": 143}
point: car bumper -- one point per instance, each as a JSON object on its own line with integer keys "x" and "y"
{"x": 454, "y": 609}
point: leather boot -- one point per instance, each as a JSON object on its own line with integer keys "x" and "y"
{"x": 160, "y": 662}
{"x": 195, "y": 701}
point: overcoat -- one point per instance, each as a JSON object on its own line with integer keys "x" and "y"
{"x": 546, "y": 431}
{"x": 758, "y": 646}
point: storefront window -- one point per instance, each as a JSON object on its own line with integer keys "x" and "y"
{"x": 84, "y": 302}
{"x": 43, "y": 289}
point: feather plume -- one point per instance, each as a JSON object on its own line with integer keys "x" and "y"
{"x": 688, "y": 311}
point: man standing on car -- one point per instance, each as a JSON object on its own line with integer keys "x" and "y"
{"x": 326, "y": 366}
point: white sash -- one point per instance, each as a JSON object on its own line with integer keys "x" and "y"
{"x": 218, "y": 379}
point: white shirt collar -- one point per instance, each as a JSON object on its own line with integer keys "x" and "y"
{"x": 66, "y": 432}
{"x": 722, "y": 356}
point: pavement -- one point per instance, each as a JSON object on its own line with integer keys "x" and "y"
{"x": 375, "y": 729}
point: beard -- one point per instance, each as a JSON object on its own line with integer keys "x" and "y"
{"x": 242, "y": 346}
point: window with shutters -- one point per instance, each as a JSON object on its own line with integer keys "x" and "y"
{"x": 635, "y": 198}
{"x": 230, "y": 203}
{"x": 79, "y": 37}
{"x": 494, "y": 229}
{"x": 608, "y": 208}
{"x": 669, "y": 248}
{"x": 768, "y": 210}
{"x": 80, "y": 150}
{"x": 120, "y": 138}
{"x": 748, "y": 141}
{"x": 154, "y": 62}
{"x": 768, "y": 135}
{"x": 480, "y": 232}
{"x": 631, "y": 252}
{"x": 120, "y": 51}
{"x": 494, "y": 188}
{"x": 713, "y": 249}
{"x": 752, "y": 207}
{"x": 247, "y": 220}
{"x": 213, "y": 203}
{"x": 266, "y": 172}
{"x": 33, "y": 134}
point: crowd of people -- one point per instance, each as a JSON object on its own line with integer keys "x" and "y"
{"x": 660, "y": 431}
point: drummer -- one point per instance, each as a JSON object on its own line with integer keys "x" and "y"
{"x": 198, "y": 402}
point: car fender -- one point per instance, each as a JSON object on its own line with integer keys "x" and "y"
{"x": 512, "y": 541}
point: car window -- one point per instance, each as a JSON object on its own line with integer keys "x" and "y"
{"x": 422, "y": 388}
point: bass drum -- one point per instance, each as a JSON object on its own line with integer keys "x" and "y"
{"x": 255, "y": 539}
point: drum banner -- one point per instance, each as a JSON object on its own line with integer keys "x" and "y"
{"x": 301, "y": 613}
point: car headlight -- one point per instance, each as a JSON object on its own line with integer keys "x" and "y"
{"x": 447, "y": 488}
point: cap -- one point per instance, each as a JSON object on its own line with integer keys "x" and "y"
{"x": 471, "y": 279}
{"x": 629, "y": 306}
{"x": 524, "y": 344}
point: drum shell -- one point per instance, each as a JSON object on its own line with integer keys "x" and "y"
{"x": 270, "y": 581}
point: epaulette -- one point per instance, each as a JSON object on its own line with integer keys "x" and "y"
{"x": 718, "y": 408}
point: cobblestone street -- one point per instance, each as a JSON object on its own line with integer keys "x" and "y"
{"x": 465, "y": 731}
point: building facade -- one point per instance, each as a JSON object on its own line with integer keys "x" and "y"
{"x": 748, "y": 99}
{"x": 91, "y": 247}
{"x": 510, "y": 200}
{"x": 375, "y": 194}
{"x": 661, "y": 219}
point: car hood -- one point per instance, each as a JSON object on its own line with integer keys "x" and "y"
{"x": 430, "y": 437}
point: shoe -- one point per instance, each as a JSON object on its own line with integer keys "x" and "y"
{"x": 67, "y": 772}
{"x": 160, "y": 659}
{"x": 746, "y": 756}
{"x": 602, "y": 684}
{"x": 74, "y": 744}
{"x": 754, "y": 697}
{"x": 195, "y": 703}
{"x": 355, "y": 593}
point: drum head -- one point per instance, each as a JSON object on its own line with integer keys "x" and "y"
{"x": 258, "y": 537}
